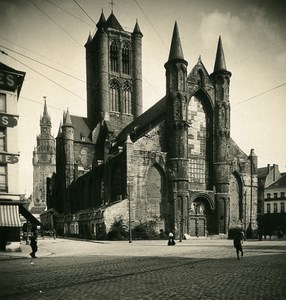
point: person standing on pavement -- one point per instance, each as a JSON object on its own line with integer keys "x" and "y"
{"x": 171, "y": 240}
{"x": 237, "y": 244}
{"x": 33, "y": 245}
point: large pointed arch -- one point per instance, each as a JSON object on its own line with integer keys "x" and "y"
{"x": 155, "y": 193}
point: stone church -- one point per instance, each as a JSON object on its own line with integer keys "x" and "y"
{"x": 174, "y": 165}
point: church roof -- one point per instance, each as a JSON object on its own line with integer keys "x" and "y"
{"x": 113, "y": 22}
{"x": 150, "y": 118}
{"x": 137, "y": 29}
{"x": 81, "y": 129}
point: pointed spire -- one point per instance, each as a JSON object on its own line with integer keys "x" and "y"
{"x": 68, "y": 118}
{"x": 112, "y": 22}
{"x": 45, "y": 119}
{"x": 89, "y": 39}
{"x": 137, "y": 29}
{"x": 60, "y": 132}
{"x": 45, "y": 107}
{"x": 220, "y": 64}
{"x": 102, "y": 20}
{"x": 176, "y": 51}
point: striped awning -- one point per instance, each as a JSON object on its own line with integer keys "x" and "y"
{"x": 9, "y": 216}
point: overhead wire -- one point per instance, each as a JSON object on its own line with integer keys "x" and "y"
{"x": 260, "y": 94}
{"x": 146, "y": 16}
{"x": 20, "y": 46}
{"x": 49, "y": 105}
{"x": 56, "y": 83}
{"x": 69, "y": 13}
{"x": 67, "y": 33}
{"x": 46, "y": 65}
{"x": 84, "y": 11}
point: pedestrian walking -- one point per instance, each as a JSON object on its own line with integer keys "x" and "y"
{"x": 237, "y": 244}
{"x": 34, "y": 246}
{"x": 54, "y": 233}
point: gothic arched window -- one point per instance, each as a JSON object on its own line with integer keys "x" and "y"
{"x": 126, "y": 59}
{"x": 114, "y": 57}
{"x": 114, "y": 96}
{"x": 126, "y": 96}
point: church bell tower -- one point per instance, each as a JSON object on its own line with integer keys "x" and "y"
{"x": 114, "y": 74}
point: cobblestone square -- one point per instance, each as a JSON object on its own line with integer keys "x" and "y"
{"x": 193, "y": 269}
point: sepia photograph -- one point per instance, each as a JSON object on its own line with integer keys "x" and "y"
{"x": 142, "y": 149}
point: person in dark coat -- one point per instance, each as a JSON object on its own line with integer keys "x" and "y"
{"x": 237, "y": 244}
{"x": 171, "y": 240}
{"x": 34, "y": 246}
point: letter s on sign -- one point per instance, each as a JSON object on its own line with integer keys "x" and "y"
{"x": 10, "y": 80}
{"x": 5, "y": 120}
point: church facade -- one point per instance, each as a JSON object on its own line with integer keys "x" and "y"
{"x": 174, "y": 165}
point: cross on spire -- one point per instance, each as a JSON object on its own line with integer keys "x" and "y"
{"x": 112, "y": 5}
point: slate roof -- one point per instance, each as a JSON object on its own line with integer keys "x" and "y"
{"x": 262, "y": 172}
{"x": 81, "y": 128}
{"x": 280, "y": 183}
{"x": 113, "y": 22}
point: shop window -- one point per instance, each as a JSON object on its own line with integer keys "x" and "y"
{"x": 2, "y": 103}
{"x": 3, "y": 179}
{"x": 3, "y": 139}
{"x": 275, "y": 207}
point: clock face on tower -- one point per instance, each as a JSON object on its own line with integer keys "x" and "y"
{"x": 44, "y": 157}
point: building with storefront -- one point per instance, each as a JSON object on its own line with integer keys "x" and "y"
{"x": 11, "y": 206}
{"x": 274, "y": 206}
{"x": 175, "y": 165}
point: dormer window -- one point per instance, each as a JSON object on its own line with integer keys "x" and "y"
{"x": 82, "y": 137}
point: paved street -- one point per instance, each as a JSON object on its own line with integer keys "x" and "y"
{"x": 193, "y": 269}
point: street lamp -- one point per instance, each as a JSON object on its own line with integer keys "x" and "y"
{"x": 129, "y": 215}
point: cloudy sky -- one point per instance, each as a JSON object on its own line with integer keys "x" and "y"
{"x": 45, "y": 38}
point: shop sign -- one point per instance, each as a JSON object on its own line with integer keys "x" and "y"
{"x": 8, "y": 81}
{"x": 7, "y": 121}
{"x": 8, "y": 158}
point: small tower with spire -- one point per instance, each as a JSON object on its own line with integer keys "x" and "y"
{"x": 177, "y": 155}
{"x": 44, "y": 158}
{"x": 221, "y": 79}
{"x": 68, "y": 147}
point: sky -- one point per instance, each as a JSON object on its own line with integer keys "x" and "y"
{"x": 46, "y": 38}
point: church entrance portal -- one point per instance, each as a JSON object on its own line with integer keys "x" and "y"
{"x": 199, "y": 217}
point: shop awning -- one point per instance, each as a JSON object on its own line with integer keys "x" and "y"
{"x": 9, "y": 216}
{"x": 28, "y": 216}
